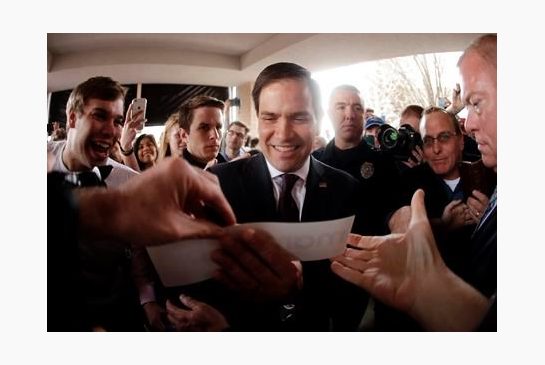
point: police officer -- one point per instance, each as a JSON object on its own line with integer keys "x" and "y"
{"x": 348, "y": 151}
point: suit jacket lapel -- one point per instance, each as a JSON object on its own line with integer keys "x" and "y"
{"x": 316, "y": 193}
{"x": 259, "y": 186}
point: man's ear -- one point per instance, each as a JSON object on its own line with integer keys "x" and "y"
{"x": 71, "y": 119}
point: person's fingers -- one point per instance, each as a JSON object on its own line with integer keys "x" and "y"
{"x": 178, "y": 225}
{"x": 482, "y": 198}
{"x": 257, "y": 253}
{"x": 131, "y": 121}
{"x": 253, "y": 262}
{"x": 353, "y": 239}
{"x": 409, "y": 163}
{"x": 269, "y": 251}
{"x": 175, "y": 310}
{"x": 476, "y": 205}
{"x": 354, "y": 276}
{"x": 190, "y": 302}
{"x": 418, "y": 153}
{"x": 369, "y": 242}
{"x": 137, "y": 125}
{"x": 454, "y": 204}
{"x": 356, "y": 263}
{"x": 213, "y": 197}
{"x": 181, "y": 322}
{"x": 360, "y": 254}
{"x": 204, "y": 189}
{"x": 212, "y": 206}
{"x": 232, "y": 272}
{"x": 473, "y": 213}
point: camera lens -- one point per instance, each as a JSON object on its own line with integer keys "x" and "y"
{"x": 388, "y": 138}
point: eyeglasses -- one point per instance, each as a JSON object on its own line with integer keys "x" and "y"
{"x": 442, "y": 138}
{"x": 238, "y": 134}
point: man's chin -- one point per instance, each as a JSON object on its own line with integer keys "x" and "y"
{"x": 208, "y": 157}
{"x": 98, "y": 160}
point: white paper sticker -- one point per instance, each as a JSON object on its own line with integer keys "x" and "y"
{"x": 188, "y": 261}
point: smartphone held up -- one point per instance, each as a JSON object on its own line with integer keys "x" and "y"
{"x": 139, "y": 105}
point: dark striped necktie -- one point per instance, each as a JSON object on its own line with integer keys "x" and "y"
{"x": 287, "y": 207}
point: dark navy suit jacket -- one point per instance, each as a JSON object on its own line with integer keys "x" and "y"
{"x": 326, "y": 302}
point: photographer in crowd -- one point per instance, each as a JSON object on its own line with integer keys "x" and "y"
{"x": 406, "y": 270}
{"x": 452, "y": 210}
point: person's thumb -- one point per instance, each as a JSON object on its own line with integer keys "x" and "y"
{"x": 188, "y": 301}
{"x": 422, "y": 242}
{"x": 418, "y": 208}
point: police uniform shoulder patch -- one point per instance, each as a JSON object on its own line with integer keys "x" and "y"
{"x": 367, "y": 170}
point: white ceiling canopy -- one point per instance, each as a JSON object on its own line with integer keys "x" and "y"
{"x": 223, "y": 59}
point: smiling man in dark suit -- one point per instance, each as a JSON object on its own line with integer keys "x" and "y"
{"x": 287, "y": 102}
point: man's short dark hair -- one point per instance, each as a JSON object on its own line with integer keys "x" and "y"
{"x": 240, "y": 124}
{"x": 187, "y": 109}
{"x": 99, "y": 87}
{"x": 287, "y": 70}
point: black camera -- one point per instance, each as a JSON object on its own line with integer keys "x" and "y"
{"x": 398, "y": 142}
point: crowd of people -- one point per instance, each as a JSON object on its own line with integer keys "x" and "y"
{"x": 422, "y": 250}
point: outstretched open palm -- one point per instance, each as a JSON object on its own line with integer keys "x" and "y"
{"x": 393, "y": 267}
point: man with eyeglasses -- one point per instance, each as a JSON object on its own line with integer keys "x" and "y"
{"x": 406, "y": 270}
{"x": 234, "y": 140}
{"x": 453, "y": 214}
{"x": 449, "y": 208}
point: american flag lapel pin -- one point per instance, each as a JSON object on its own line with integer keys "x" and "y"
{"x": 322, "y": 184}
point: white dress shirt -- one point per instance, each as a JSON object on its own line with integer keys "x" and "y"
{"x": 299, "y": 189}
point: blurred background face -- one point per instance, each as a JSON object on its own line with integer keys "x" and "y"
{"x": 147, "y": 151}
{"x": 346, "y": 113}
{"x": 479, "y": 85}
{"x": 175, "y": 141}
{"x": 94, "y": 131}
{"x": 235, "y": 137}
{"x": 373, "y": 131}
{"x": 442, "y": 147}
{"x": 115, "y": 153}
{"x": 319, "y": 142}
{"x": 287, "y": 124}
{"x": 411, "y": 119}
{"x": 204, "y": 137}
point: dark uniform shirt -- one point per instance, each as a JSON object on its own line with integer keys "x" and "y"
{"x": 378, "y": 178}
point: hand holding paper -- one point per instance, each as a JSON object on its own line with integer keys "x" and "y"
{"x": 188, "y": 261}
{"x": 252, "y": 263}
